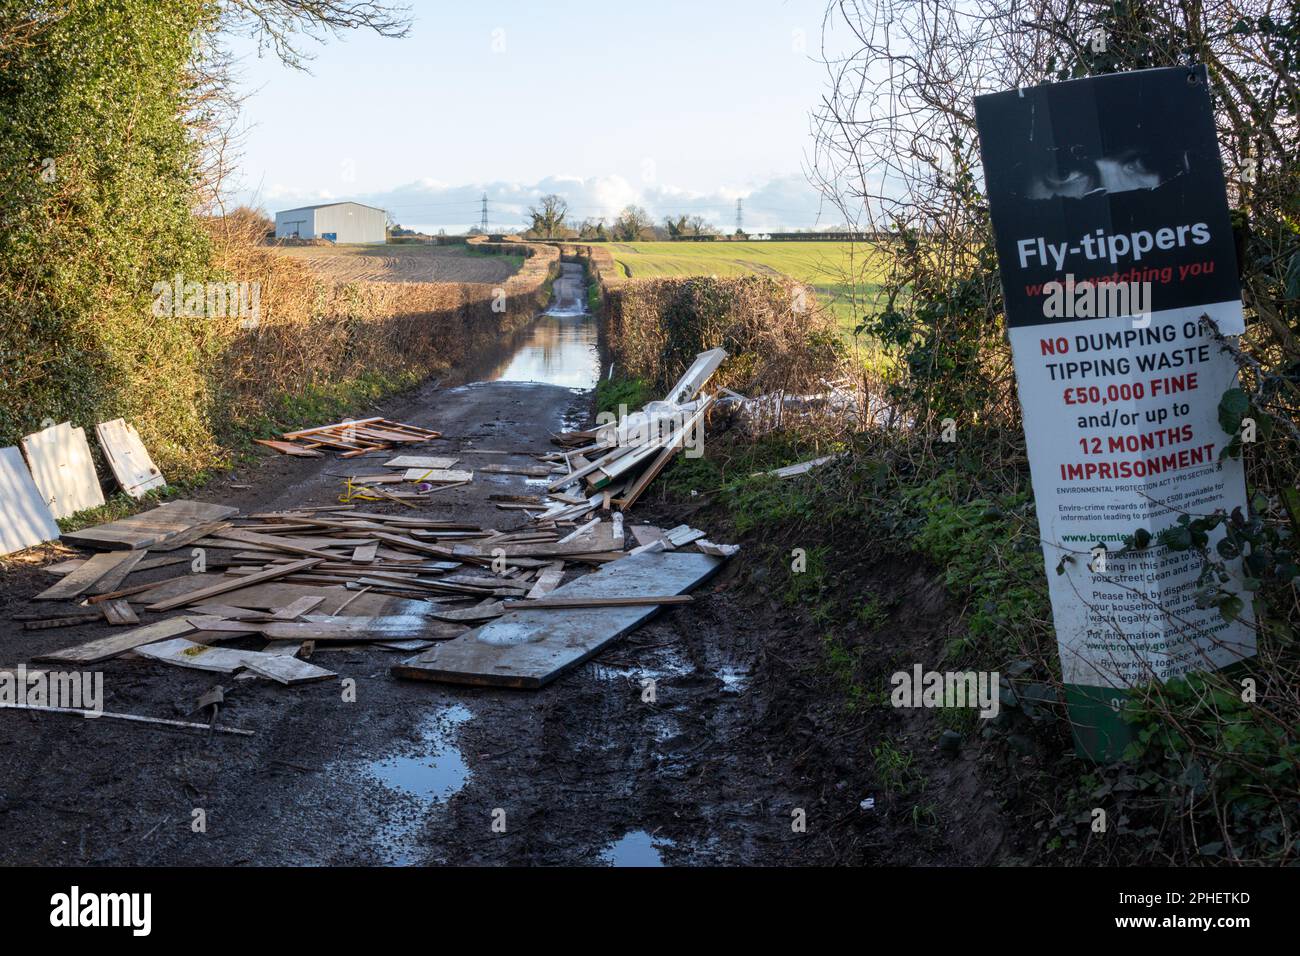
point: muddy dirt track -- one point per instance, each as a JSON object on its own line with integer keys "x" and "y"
{"x": 742, "y": 734}
{"x": 584, "y": 771}
{"x": 402, "y": 263}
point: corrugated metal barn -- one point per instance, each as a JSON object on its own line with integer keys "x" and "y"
{"x": 337, "y": 221}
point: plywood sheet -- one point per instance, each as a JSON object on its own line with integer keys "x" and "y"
{"x": 419, "y": 461}
{"x": 531, "y": 648}
{"x": 157, "y": 528}
{"x": 129, "y": 459}
{"x": 25, "y": 518}
{"x": 63, "y": 470}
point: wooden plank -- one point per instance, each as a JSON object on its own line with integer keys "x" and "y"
{"x": 304, "y": 605}
{"x": 531, "y": 648}
{"x": 111, "y": 581}
{"x": 285, "y": 668}
{"x": 365, "y": 553}
{"x": 693, "y": 379}
{"x": 575, "y": 602}
{"x": 656, "y": 466}
{"x": 82, "y": 579}
{"x": 420, "y": 461}
{"x": 153, "y": 528}
{"x": 119, "y": 612}
{"x": 440, "y": 475}
{"x": 234, "y": 584}
{"x": 49, "y": 623}
{"x": 479, "y": 612}
{"x": 530, "y": 471}
{"x": 274, "y": 543}
{"x": 289, "y": 448}
{"x": 227, "y": 660}
{"x": 104, "y": 648}
{"x": 25, "y": 518}
{"x": 548, "y": 580}
{"x": 325, "y": 428}
{"x": 346, "y": 628}
{"x": 129, "y": 459}
{"x": 63, "y": 470}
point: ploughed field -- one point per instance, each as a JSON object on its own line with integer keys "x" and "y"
{"x": 403, "y": 263}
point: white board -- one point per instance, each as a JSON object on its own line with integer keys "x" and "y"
{"x": 63, "y": 470}
{"x": 25, "y": 518}
{"x": 445, "y": 475}
{"x": 127, "y": 456}
{"x": 419, "y": 461}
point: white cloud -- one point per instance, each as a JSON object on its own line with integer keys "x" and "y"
{"x": 788, "y": 202}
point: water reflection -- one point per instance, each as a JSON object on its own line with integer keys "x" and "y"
{"x": 560, "y": 348}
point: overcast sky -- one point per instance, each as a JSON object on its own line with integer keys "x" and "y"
{"x": 679, "y": 105}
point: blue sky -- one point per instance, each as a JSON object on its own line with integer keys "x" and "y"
{"x": 678, "y": 106}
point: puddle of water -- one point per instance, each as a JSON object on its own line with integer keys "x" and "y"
{"x": 734, "y": 679}
{"x": 561, "y": 344}
{"x": 637, "y": 848}
{"x": 559, "y": 350}
{"x": 435, "y": 775}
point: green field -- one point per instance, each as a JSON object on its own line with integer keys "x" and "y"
{"x": 841, "y": 272}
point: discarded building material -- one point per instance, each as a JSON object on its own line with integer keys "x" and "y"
{"x": 25, "y": 518}
{"x": 127, "y": 456}
{"x": 420, "y": 461}
{"x": 63, "y": 470}
{"x": 530, "y": 471}
{"x": 802, "y": 468}
{"x": 227, "y": 660}
{"x": 437, "y": 475}
{"x": 119, "y": 612}
{"x": 92, "y": 652}
{"x": 168, "y": 526}
{"x": 104, "y": 566}
{"x": 558, "y": 603}
{"x": 352, "y": 438}
{"x": 289, "y": 448}
{"x": 693, "y": 379}
{"x": 531, "y": 648}
{"x": 138, "y": 718}
{"x": 235, "y": 584}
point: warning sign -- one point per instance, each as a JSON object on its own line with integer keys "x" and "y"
{"x": 1113, "y": 238}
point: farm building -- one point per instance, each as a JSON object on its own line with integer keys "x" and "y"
{"x": 336, "y": 221}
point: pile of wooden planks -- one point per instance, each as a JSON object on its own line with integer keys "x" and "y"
{"x": 350, "y": 438}
{"x": 62, "y": 479}
{"x": 618, "y": 462}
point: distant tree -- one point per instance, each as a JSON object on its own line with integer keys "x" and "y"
{"x": 548, "y": 217}
{"x": 700, "y": 226}
{"x": 677, "y": 227}
{"x": 632, "y": 224}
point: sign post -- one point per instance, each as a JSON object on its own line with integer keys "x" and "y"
{"x": 1113, "y": 238}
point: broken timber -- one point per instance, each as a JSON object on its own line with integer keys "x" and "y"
{"x": 529, "y": 649}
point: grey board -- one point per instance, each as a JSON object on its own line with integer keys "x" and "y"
{"x": 531, "y": 648}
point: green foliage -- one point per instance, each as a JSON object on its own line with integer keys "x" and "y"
{"x": 894, "y": 768}
{"x": 987, "y": 549}
{"x": 634, "y": 393}
{"x": 1234, "y": 763}
{"x": 97, "y": 185}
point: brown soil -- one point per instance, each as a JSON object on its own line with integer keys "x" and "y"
{"x": 401, "y": 263}
{"x": 745, "y": 727}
